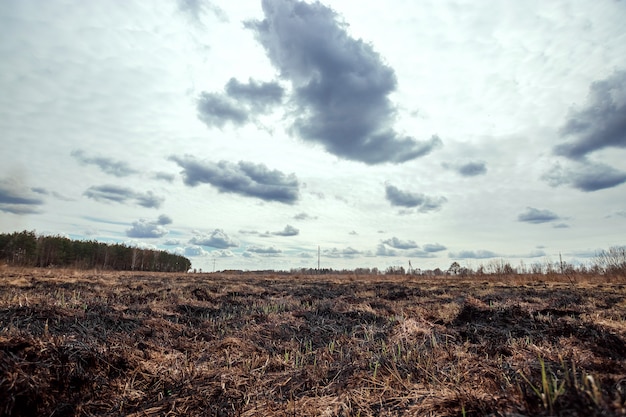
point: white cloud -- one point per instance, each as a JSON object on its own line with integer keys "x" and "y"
{"x": 497, "y": 108}
{"x": 215, "y": 239}
{"x": 143, "y": 228}
{"x": 195, "y": 251}
{"x": 140, "y": 244}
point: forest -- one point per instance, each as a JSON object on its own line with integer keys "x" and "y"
{"x": 27, "y": 249}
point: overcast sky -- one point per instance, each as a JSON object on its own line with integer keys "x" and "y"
{"x": 251, "y": 132}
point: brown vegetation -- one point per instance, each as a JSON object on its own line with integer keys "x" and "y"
{"x": 138, "y": 344}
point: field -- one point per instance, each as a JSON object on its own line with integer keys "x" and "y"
{"x": 98, "y": 343}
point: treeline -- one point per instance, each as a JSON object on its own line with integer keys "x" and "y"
{"x": 606, "y": 262}
{"x": 27, "y": 249}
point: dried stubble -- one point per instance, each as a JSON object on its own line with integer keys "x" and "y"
{"x": 101, "y": 343}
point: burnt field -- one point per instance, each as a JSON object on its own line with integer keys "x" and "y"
{"x": 146, "y": 344}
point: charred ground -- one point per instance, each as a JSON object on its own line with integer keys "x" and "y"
{"x": 148, "y": 344}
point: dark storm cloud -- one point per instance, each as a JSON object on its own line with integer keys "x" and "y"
{"x": 468, "y": 169}
{"x": 164, "y": 176}
{"x": 107, "y": 165}
{"x": 340, "y": 84}
{"x": 240, "y": 103}
{"x": 470, "y": 254}
{"x": 164, "y": 219}
{"x": 108, "y": 193}
{"x": 17, "y": 199}
{"x": 215, "y": 239}
{"x": 143, "y": 228}
{"x": 304, "y": 216}
{"x": 585, "y": 176}
{"x": 536, "y": 216}
{"x": 348, "y": 252}
{"x": 472, "y": 169}
{"x": 9, "y": 196}
{"x": 383, "y": 250}
{"x": 43, "y": 191}
{"x": 260, "y": 96}
{"x": 287, "y": 231}
{"x": 244, "y": 178}
{"x": 405, "y": 248}
{"x": 396, "y": 243}
{"x": 601, "y": 123}
{"x": 434, "y": 247}
{"x": 420, "y": 201}
{"x": 264, "y": 251}
{"x": 402, "y": 198}
{"x": 216, "y": 110}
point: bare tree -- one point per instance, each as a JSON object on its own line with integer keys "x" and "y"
{"x": 612, "y": 261}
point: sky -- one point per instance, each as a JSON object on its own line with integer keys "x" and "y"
{"x": 248, "y": 134}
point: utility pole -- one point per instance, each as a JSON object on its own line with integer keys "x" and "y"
{"x": 318, "y": 259}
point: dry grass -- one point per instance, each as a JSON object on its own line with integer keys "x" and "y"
{"x": 99, "y": 343}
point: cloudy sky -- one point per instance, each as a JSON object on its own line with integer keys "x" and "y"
{"x": 249, "y": 133}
